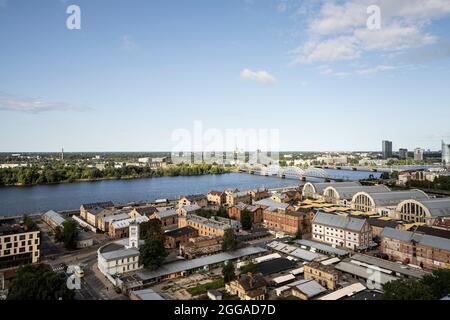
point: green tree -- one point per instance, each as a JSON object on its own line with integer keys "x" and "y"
{"x": 298, "y": 234}
{"x": 406, "y": 289}
{"x": 151, "y": 229}
{"x": 39, "y": 282}
{"x": 246, "y": 220}
{"x": 68, "y": 234}
{"x": 438, "y": 282}
{"x": 152, "y": 254}
{"x": 228, "y": 272}
{"x": 30, "y": 224}
{"x": 230, "y": 241}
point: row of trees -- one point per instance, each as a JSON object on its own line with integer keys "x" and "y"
{"x": 56, "y": 173}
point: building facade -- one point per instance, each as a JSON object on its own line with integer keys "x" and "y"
{"x": 326, "y": 276}
{"x": 18, "y": 246}
{"x": 386, "y": 146}
{"x": 344, "y": 231}
{"x": 445, "y": 153}
{"x": 248, "y": 287}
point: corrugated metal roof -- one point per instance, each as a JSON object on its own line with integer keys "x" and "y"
{"x": 340, "y": 222}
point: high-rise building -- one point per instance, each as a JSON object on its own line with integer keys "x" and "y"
{"x": 418, "y": 154}
{"x": 402, "y": 153}
{"x": 387, "y": 149}
{"x": 445, "y": 153}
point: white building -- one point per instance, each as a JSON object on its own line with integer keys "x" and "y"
{"x": 121, "y": 256}
{"x": 445, "y": 153}
{"x": 348, "y": 232}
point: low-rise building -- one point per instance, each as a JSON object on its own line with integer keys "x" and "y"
{"x": 208, "y": 227}
{"x": 168, "y": 218}
{"x": 216, "y": 197}
{"x": 120, "y": 257}
{"x": 85, "y": 240}
{"x": 291, "y": 222}
{"x": 315, "y": 190}
{"x": 105, "y": 222}
{"x": 306, "y": 289}
{"x": 427, "y": 211}
{"x": 248, "y": 287}
{"x": 143, "y": 211}
{"x": 280, "y": 197}
{"x": 236, "y": 197}
{"x": 53, "y": 219}
{"x": 256, "y": 212}
{"x": 416, "y": 248}
{"x": 18, "y": 246}
{"x": 258, "y": 194}
{"x": 186, "y": 210}
{"x": 201, "y": 246}
{"x": 325, "y": 275}
{"x": 199, "y": 199}
{"x": 119, "y": 229}
{"x": 344, "y": 231}
{"x": 174, "y": 238}
{"x": 91, "y": 208}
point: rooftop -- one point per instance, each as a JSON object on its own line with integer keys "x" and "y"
{"x": 423, "y": 239}
{"x": 180, "y": 231}
{"x": 322, "y": 247}
{"x": 275, "y": 266}
{"x": 186, "y": 265}
{"x": 340, "y": 222}
{"x": 55, "y": 217}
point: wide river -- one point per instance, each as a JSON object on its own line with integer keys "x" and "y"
{"x": 26, "y": 200}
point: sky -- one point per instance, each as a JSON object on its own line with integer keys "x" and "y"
{"x": 139, "y": 74}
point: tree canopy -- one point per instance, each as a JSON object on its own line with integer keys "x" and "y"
{"x": 246, "y": 220}
{"x": 230, "y": 241}
{"x": 228, "y": 272}
{"x": 39, "y": 282}
{"x": 152, "y": 253}
{"x": 68, "y": 234}
{"x": 431, "y": 287}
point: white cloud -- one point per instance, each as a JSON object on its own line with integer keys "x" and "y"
{"x": 341, "y": 48}
{"x": 337, "y": 30}
{"x": 33, "y": 105}
{"x": 377, "y": 69}
{"x": 258, "y": 76}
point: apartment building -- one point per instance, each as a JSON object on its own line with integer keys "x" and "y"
{"x": 17, "y": 245}
{"x": 344, "y": 231}
{"x": 325, "y": 275}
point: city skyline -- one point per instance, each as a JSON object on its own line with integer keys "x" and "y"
{"x": 134, "y": 74}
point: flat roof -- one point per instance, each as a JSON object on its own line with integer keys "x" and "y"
{"x": 363, "y": 272}
{"x": 185, "y": 265}
{"x": 323, "y": 247}
{"x": 294, "y": 251}
{"x": 347, "y": 291}
{"x": 275, "y": 265}
{"x": 389, "y": 265}
{"x": 147, "y": 294}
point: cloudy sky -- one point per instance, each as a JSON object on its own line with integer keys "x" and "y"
{"x": 138, "y": 71}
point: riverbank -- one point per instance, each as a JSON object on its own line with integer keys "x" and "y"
{"x": 61, "y": 174}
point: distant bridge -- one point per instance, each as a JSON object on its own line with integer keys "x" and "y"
{"x": 283, "y": 172}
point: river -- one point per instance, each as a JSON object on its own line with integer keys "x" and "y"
{"x": 40, "y": 198}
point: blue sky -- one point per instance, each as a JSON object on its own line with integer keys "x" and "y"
{"x": 139, "y": 70}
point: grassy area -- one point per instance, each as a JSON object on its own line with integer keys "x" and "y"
{"x": 203, "y": 288}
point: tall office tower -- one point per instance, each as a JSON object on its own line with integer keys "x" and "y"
{"x": 418, "y": 154}
{"x": 402, "y": 153}
{"x": 387, "y": 149}
{"x": 445, "y": 153}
